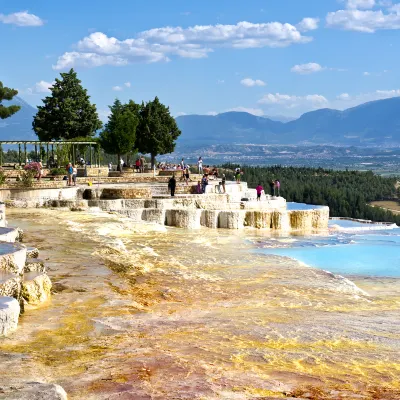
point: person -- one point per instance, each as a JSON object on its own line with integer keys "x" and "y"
{"x": 272, "y": 187}
{"x": 200, "y": 165}
{"x": 223, "y": 182}
{"x": 278, "y": 187}
{"x": 187, "y": 174}
{"x": 40, "y": 170}
{"x": 110, "y": 166}
{"x": 215, "y": 172}
{"x": 74, "y": 174}
{"x": 182, "y": 164}
{"x": 69, "y": 174}
{"x": 237, "y": 175}
{"x": 137, "y": 165}
{"x": 259, "y": 190}
{"x": 142, "y": 162}
{"x": 121, "y": 164}
{"x": 198, "y": 188}
{"x": 204, "y": 183}
{"x": 172, "y": 185}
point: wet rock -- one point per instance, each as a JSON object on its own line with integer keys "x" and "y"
{"x": 10, "y": 285}
{"x": 34, "y": 265}
{"x": 32, "y": 252}
{"x": 33, "y": 391}
{"x": 36, "y": 288}
{"x": 9, "y": 314}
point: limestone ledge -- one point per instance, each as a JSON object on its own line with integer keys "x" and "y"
{"x": 36, "y": 288}
{"x": 32, "y": 391}
{"x": 9, "y": 314}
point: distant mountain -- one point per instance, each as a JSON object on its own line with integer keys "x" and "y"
{"x": 19, "y": 126}
{"x": 280, "y": 118}
{"x": 373, "y": 123}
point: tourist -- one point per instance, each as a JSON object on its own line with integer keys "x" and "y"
{"x": 278, "y": 187}
{"x": 215, "y": 172}
{"x": 121, "y": 164}
{"x": 172, "y": 185}
{"x": 237, "y": 175}
{"x": 204, "y": 183}
{"x": 272, "y": 187}
{"x": 187, "y": 174}
{"x": 69, "y": 174}
{"x": 110, "y": 166}
{"x": 137, "y": 165}
{"x": 259, "y": 190}
{"x": 74, "y": 174}
{"x": 198, "y": 188}
{"x": 200, "y": 165}
{"x": 223, "y": 182}
{"x": 182, "y": 164}
{"x": 142, "y": 164}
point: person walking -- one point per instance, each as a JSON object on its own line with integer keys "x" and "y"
{"x": 172, "y": 185}
{"x": 200, "y": 165}
{"x": 278, "y": 187}
{"x": 74, "y": 174}
{"x": 237, "y": 175}
{"x": 70, "y": 171}
{"x": 187, "y": 174}
{"x": 142, "y": 163}
{"x": 121, "y": 164}
{"x": 259, "y": 190}
{"x": 204, "y": 183}
{"x": 272, "y": 187}
{"x": 223, "y": 182}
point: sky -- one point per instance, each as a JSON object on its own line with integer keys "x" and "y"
{"x": 266, "y": 57}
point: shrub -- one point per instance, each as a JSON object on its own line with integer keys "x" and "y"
{"x": 2, "y": 177}
{"x": 27, "y": 177}
{"x": 58, "y": 171}
{"x": 32, "y": 166}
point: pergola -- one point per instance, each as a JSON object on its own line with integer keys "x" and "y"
{"x": 49, "y": 146}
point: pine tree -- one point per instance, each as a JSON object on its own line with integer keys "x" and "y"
{"x": 67, "y": 113}
{"x": 119, "y": 134}
{"x": 157, "y": 130}
{"x": 7, "y": 94}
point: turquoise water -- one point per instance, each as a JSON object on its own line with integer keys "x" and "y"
{"x": 350, "y": 248}
{"x": 301, "y": 206}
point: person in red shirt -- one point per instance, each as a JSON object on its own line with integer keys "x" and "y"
{"x": 259, "y": 189}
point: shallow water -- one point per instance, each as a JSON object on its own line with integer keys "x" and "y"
{"x": 150, "y": 312}
{"x": 349, "y": 248}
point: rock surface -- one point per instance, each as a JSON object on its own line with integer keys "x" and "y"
{"x": 33, "y": 391}
{"x": 34, "y": 265}
{"x": 9, "y": 314}
{"x": 36, "y": 288}
{"x": 32, "y": 252}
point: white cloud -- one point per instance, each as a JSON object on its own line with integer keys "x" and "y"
{"x": 104, "y": 114}
{"x": 22, "y": 18}
{"x": 360, "y": 4}
{"x": 117, "y": 88}
{"x": 252, "y": 82}
{"x": 156, "y": 45}
{"x": 220, "y": 81}
{"x": 180, "y": 114}
{"x": 309, "y": 68}
{"x": 212, "y": 113}
{"x": 127, "y": 84}
{"x": 366, "y": 74}
{"x": 343, "y": 96}
{"x": 40, "y": 87}
{"x": 308, "y": 24}
{"x": 255, "y": 111}
{"x": 293, "y": 101}
{"x": 367, "y": 21}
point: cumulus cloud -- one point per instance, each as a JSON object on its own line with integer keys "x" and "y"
{"x": 213, "y": 113}
{"x": 117, "y": 88}
{"x": 40, "y": 87}
{"x": 346, "y": 100}
{"x": 309, "y": 68}
{"x": 308, "y": 24}
{"x": 127, "y": 84}
{"x": 293, "y": 101}
{"x": 252, "y": 82}
{"x": 343, "y": 96}
{"x": 180, "y": 114}
{"x": 159, "y": 44}
{"x": 368, "y": 21}
{"x": 360, "y": 4}
{"x": 255, "y": 111}
{"x": 22, "y": 18}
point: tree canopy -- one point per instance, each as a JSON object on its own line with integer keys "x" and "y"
{"x": 7, "y": 94}
{"x": 67, "y": 113}
{"x": 119, "y": 134}
{"x": 157, "y": 130}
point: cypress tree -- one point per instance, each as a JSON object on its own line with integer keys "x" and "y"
{"x": 7, "y": 94}
{"x": 67, "y": 113}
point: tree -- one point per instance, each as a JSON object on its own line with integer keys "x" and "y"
{"x": 119, "y": 134}
{"x": 7, "y": 94}
{"x": 67, "y": 113}
{"x": 157, "y": 130}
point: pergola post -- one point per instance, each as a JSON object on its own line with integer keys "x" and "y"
{"x": 25, "y": 153}
{"x": 36, "y": 156}
{"x": 19, "y": 153}
{"x": 47, "y": 155}
{"x": 98, "y": 154}
{"x": 1, "y": 155}
{"x": 91, "y": 155}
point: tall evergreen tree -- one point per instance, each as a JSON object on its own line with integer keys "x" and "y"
{"x": 119, "y": 134}
{"x": 67, "y": 113}
{"x": 157, "y": 130}
{"x": 7, "y": 94}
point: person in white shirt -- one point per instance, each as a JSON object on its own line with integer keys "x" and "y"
{"x": 200, "y": 165}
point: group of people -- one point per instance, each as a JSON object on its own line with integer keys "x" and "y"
{"x": 275, "y": 188}
{"x": 140, "y": 164}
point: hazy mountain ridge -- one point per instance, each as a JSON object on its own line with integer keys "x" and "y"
{"x": 373, "y": 123}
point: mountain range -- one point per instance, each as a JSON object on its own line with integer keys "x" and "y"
{"x": 373, "y": 123}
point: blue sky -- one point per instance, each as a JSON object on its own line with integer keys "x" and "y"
{"x": 270, "y": 57}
